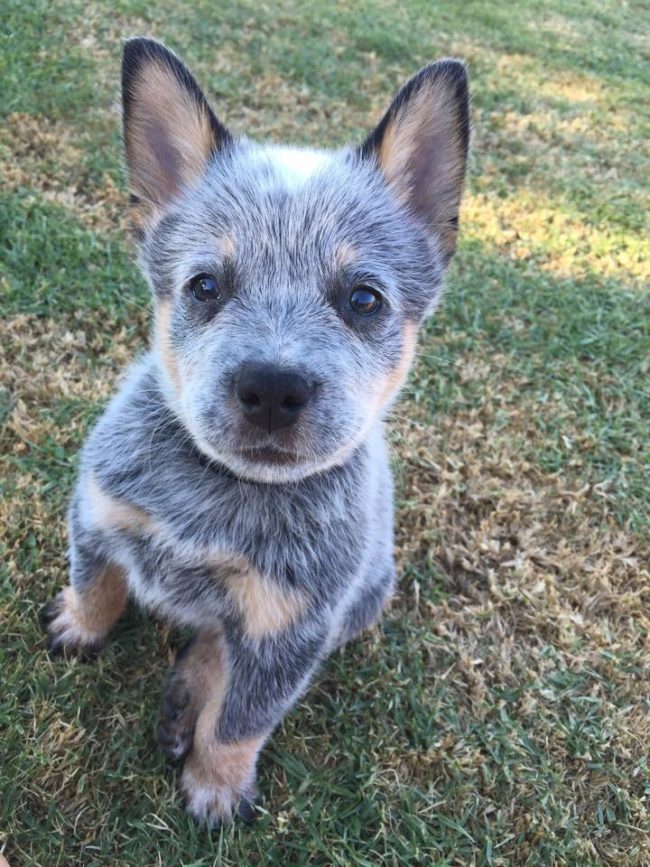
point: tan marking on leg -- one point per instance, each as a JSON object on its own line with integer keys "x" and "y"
{"x": 216, "y": 775}
{"x": 162, "y": 324}
{"x": 86, "y": 617}
{"x": 399, "y": 373}
{"x": 199, "y": 676}
{"x": 111, "y": 513}
{"x": 205, "y": 666}
{"x": 265, "y": 606}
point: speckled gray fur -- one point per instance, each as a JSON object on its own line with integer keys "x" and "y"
{"x": 317, "y": 534}
{"x": 285, "y": 244}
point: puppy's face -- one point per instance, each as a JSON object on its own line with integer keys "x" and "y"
{"x": 289, "y": 284}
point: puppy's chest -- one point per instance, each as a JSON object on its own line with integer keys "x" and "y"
{"x": 196, "y": 575}
{"x": 211, "y": 553}
{"x": 214, "y": 583}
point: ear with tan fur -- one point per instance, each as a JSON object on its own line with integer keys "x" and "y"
{"x": 421, "y": 147}
{"x": 170, "y": 132}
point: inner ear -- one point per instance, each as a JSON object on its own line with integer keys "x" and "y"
{"x": 421, "y": 148}
{"x": 170, "y": 132}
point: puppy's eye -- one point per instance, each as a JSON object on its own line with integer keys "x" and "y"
{"x": 204, "y": 288}
{"x": 365, "y": 301}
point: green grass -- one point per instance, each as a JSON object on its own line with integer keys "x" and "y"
{"x": 501, "y": 714}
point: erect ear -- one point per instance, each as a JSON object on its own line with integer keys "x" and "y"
{"x": 421, "y": 147}
{"x": 170, "y": 132}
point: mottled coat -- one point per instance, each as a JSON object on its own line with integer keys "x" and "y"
{"x": 211, "y": 490}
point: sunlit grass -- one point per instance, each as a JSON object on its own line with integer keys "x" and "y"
{"x": 500, "y": 716}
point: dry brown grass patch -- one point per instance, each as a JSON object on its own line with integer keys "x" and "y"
{"x": 48, "y": 157}
{"x": 535, "y": 580}
{"x": 45, "y": 361}
{"x": 504, "y": 532}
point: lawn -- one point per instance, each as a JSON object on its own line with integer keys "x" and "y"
{"x": 501, "y": 713}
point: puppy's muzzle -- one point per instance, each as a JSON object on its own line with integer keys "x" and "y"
{"x": 271, "y": 397}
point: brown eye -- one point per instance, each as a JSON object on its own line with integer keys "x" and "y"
{"x": 204, "y": 288}
{"x": 365, "y": 301}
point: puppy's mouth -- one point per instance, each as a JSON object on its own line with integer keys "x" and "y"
{"x": 267, "y": 455}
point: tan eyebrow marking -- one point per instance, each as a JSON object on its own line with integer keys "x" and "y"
{"x": 346, "y": 254}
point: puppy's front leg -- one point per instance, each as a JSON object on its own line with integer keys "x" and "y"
{"x": 260, "y": 681}
{"x": 82, "y": 614}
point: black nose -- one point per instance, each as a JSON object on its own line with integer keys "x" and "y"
{"x": 271, "y": 397}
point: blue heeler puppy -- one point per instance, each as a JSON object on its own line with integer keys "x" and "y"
{"x": 239, "y": 482}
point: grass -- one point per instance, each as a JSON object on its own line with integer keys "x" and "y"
{"x": 500, "y": 716}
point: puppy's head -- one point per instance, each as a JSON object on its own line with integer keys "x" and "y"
{"x": 289, "y": 284}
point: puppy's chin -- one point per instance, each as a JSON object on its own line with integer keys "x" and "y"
{"x": 263, "y": 465}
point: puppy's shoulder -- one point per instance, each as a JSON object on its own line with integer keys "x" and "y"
{"x": 135, "y": 422}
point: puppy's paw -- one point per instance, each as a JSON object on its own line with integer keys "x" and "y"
{"x": 179, "y": 710}
{"x": 68, "y": 631}
{"x": 217, "y": 803}
{"x": 218, "y": 779}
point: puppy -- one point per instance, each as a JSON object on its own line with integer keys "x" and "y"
{"x": 239, "y": 482}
